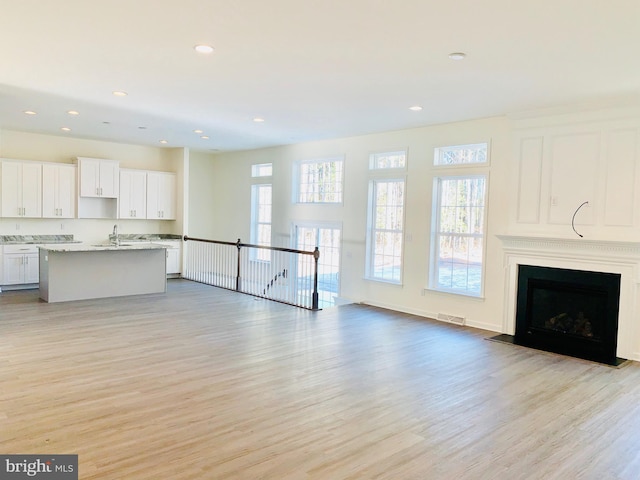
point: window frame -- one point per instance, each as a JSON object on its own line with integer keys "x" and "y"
{"x": 256, "y": 170}
{"x": 260, "y": 255}
{"x": 487, "y": 163}
{"x": 436, "y": 210}
{"x": 379, "y": 175}
{"x": 297, "y": 179}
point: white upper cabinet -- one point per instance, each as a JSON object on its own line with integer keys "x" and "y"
{"x": 21, "y": 189}
{"x": 98, "y": 177}
{"x": 133, "y": 194}
{"x": 161, "y": 195}
{"x": 58, "y": 191}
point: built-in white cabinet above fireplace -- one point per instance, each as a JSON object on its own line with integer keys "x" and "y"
{"x": 577, "y": 176}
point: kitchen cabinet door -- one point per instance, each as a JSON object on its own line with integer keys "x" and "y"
{"x": 13, "y": 270}
{"x": 133, "y": 194}
{"x": 98, "y": 178}
{"x": 58, "y": 191}
{"x": 21, "y": 189}
{"x": 31, "y": 268}
{"x": 161, "y": 195}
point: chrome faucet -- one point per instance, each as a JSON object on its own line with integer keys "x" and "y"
{"x": 115, "y": 240}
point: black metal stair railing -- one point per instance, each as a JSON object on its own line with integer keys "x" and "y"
{"x": 284, "y": 275}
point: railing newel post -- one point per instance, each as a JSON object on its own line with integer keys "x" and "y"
{"x": 239, "y": 246}
{"x": 314, "y": 298}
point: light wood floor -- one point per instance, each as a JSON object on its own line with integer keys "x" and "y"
{"x": 202, "y": 383}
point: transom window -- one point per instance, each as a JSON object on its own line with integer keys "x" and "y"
{"x": 320, "y": 181}
{"x": 461, "y": 154}
{"x": 386, "y": 160}
{"x": 262, "y": 170}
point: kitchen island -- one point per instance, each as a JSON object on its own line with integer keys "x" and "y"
{"x": 79, "y": 272}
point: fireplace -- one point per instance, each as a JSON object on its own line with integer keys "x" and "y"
{"x": 573, "y": 312}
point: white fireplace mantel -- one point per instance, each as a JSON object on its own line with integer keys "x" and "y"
{"x": 607, "y": 256}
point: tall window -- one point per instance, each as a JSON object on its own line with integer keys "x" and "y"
{"x": 261, "y": 211}
{"x": 458, "y": 234}
{"x": 319, "y": 181}
{"x": 458, "y": 218}
{"x": 385, "y": 220}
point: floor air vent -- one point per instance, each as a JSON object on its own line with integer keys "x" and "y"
{"x": 451, "y": 318}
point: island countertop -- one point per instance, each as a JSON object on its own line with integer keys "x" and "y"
{"x": 83, "y": 247}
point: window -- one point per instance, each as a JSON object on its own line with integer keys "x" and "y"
{"x": 458, "y": 234}
{"x": 320, "y": 181}
{"x": 262, "y": 170}
{"x": 385, "y": 219}
{"x": 380, "y": 161}
{"x": 461, "y": 154}
{"x": 327, "y": 239}
{"x": 261, "y": 219}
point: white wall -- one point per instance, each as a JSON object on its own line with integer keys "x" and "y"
{"x": 63, "y": 149}
{"x": 201, "y": 197}
{"x": 229, "y": 217}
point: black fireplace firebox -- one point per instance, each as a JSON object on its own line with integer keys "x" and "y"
{"x": 572, "y": 312}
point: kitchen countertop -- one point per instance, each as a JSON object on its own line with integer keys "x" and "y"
{"x": 101, "y": 247}
{"x": 55, "y": 239}
{"x": 32, "y": 239}
{"x": 147, "y": 237}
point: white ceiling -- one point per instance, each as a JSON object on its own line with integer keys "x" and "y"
{"x": 313, "y": 69}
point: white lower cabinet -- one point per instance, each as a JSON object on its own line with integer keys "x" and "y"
{"x": 174, "y": 255}
{"x": 20, "y": 264}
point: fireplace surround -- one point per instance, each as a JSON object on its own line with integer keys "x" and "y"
{"x": 583, "y": 255}
{"x": 573, "y": 312}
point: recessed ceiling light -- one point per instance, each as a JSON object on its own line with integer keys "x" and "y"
{"x": 258, "y": 120}
{"x": 119, "y": 93}
{"x": 205, "y": 137}
{"x": 73, "y": 112}
{"x": 29, "y": 112}
{"x": 66, "y": 129}
{"x": 416, "y": 108}
{"x": 197, "y": 131}
{"x": 163, "y": 141}
{"x": 206, "y": 49}
{"x": 457, "y": 55}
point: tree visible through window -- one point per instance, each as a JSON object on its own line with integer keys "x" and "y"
{"x": 385, "y": 232}
{"x": 261, "y": 219}
{"x": 459, "y": 234}
{"x": 320, "y": 181}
